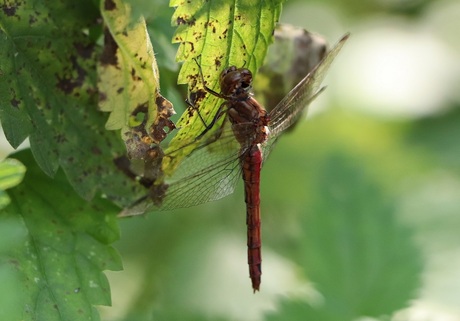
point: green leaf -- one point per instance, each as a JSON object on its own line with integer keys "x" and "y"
{"x": 12, "y": 236}
{"x": 66, "y": 248}
{"x": 48, "y": 92}
{"x": 158, "y": 19}
{"x": 11, "y": 174}
{"x": 353, "y": 250}
{"x": 297, "y": 311}
{"x": 44, "y": 67}
{"x": 219, "y": 34}
{"x": 437, "y": 137}
{"x": 223, "y": 33}
{"x": 129, "y": 80}
{"x": 359, "y": 257}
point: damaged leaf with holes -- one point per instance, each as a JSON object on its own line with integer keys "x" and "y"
{"x": 129, "y": 81}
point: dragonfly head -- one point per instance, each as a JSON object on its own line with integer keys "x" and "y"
{"x": 236, "y": 83}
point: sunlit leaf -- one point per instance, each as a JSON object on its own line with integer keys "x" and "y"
{"x": 359, "y": 257}
{"x": 67, "y": 247}
{"x": 129, "y": 80}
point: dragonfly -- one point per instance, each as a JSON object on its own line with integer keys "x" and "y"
{"x": 237, "y": 149}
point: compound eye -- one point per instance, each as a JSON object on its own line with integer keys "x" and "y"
{"x": 245, "y": 85}
{"x": 228, "y": 70}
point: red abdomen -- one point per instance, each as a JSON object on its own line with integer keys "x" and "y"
{"x": 251, "y": 163}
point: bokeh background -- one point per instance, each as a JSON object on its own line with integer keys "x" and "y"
{"x": 360, "y": 203}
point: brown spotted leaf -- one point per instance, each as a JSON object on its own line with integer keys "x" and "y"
{"x": 129, "y": 81}
{"x": 48, "y": 92}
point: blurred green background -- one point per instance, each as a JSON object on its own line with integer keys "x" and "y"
{"x": 360, "y": 203}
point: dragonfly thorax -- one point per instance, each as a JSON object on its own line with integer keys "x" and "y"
{"x": 236, "y": 83}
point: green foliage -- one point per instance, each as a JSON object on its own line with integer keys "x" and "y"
{"x": 12, "y": 236}
{"x": 378, "y": 264}
{"x": 61, "y": 246}
{"x": 223, "y": 34}
{"x": 352, "y": 248}
{"x": 440, "y": 144}
{"x": 45, "y": 65}
{"x": 49, "y": 93}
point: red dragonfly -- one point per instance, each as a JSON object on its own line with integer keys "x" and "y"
{"x": 238, "y": 148}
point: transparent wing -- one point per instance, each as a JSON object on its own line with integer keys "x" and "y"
{"x": 290, "y": 108}
{"x": 209, "y": 173}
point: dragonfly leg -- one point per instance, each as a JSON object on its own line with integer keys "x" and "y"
{"x": 209, "y": 90}
{"x": 222, "y": 111}
{"x": 188, "y": 102}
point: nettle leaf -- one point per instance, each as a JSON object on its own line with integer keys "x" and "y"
{"x": 217, "y": 34}
{"x": 129, "y": 80}
{"x": 66, "y": 249}
{"x": 48, "y": 92}
{"x": 12, "y": 236}
{"x": 11, "y": 174}
{"x": 289, "y": 309}
{"x": 355, "y": 252}
{"x": 44, "y": 62}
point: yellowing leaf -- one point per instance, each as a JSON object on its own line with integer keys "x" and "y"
{"x": 129, "y": 81}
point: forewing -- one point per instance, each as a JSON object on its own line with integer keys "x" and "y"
{"x": 209, "y": 173}
{"x": 290, "y": 108}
